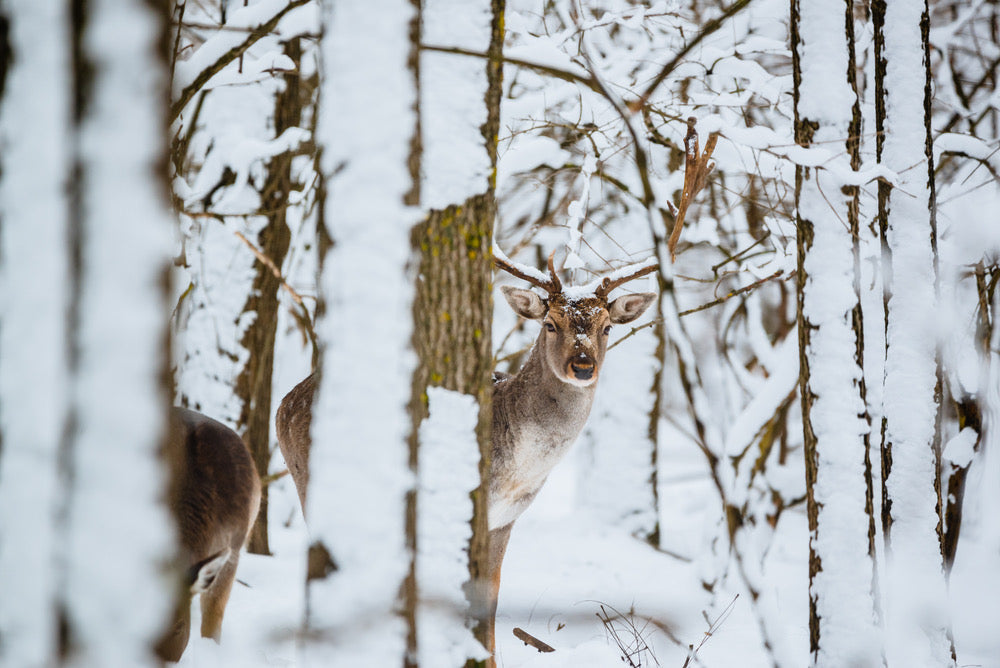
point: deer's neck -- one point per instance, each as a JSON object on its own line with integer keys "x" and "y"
{"x": 536, "y": 418}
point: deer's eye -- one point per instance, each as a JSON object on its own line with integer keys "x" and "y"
{"x": 550, "y": 327}
{"x": 607, "y": 330}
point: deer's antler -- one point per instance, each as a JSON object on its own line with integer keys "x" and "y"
{"x": 696, "y": 169}
{"x": 611, "y": 282}
{"x": 552, "y": 285}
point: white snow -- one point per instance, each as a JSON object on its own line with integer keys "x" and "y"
{"x": 843, "y": 589}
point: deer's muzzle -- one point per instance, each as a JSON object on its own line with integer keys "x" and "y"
{"x": 582, "y": 367}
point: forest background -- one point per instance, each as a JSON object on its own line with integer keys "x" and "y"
{"x": 793, "y": 459}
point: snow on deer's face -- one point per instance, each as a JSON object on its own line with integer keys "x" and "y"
{"x": 575, "y": 332}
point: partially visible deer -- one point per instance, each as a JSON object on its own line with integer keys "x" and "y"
{"x": 537, "y": 413}
{"x": 214, "y": 494}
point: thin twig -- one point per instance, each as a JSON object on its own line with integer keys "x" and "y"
{"x": 712, "y": 628}
{"x": 734, "y": 293}
{"x": 269, "y": 263}
{"x": 707, "y": 30}
{"x": 273, "y": 477}
{"x": 697, "y": 165}
{"x": 707, "y": 305}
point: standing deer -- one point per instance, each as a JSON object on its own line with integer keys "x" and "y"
{"x": 214, "y": 495}
{"x": 537, "y": 413}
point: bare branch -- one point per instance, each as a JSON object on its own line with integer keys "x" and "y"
{"x": 206, "y": 74}
{"x": 267, "y": 262}
{"x": 709, "y": 28}
{"x": 553, "y": 285}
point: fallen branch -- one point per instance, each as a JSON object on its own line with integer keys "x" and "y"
{"x": 529, "y": 639}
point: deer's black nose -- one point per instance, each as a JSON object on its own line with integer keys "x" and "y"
{"x": 582, "y": 367}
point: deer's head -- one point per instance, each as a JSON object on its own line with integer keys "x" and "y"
{"x": 576, "y": 321}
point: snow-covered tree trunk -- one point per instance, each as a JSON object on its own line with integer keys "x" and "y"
{"x": 842, "y": 606}
{"x": 115, "y": 598}
{"x": 916, "y": 612}
{"x": 35, "y": 114}
{"x": 459, "y": 108}
{"x": 359, "y": 472}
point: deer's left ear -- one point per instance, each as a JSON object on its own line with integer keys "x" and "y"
{"x": 629, "y": 307}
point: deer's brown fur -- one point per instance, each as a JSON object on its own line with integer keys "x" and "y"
{"x": 214, "y": 495}
{"x": 537, "y": 413}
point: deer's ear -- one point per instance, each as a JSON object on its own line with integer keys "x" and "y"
{"x": 629, "y": 307}
{"x": 525, "y": 303}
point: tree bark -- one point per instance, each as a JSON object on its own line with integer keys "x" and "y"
{"x": 453, "y": 305}
{"x": 253, "y": 385}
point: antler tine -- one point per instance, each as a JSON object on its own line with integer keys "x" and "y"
{"x": 552, "y": 285}
{"x": 607, "y": 285}
{"x": 553, "y": 276}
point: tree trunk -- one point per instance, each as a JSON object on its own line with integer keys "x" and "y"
{"x": 253, "y": 385}
{"x": 35, "y": 335}
{"x": 359, "y": 472}
{"x": 842, "y": 601}
{"x": 120, "y": 227}
{"x": 453, "y": 307}
{"x": 917, "y": 620}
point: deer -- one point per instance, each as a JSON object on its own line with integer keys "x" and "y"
{"x": 213, "y": 495}
{"x": 537, "y": 413}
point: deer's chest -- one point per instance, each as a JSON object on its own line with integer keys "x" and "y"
{"x": 527, "y": 454}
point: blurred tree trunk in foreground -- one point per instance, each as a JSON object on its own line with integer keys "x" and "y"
{"x": 81, "y": 496}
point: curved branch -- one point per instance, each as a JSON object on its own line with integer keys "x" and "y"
{"x": 261, "y": 31}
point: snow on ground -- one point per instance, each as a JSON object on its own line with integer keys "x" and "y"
{"x": 562, "y": 565}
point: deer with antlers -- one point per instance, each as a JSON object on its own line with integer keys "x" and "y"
{"x": 537, "y": 413}
{"x": 540, "y": 411}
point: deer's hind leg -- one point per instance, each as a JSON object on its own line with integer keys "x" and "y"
{"x": 214, "y": 599}
{"x": 174, "y": 640}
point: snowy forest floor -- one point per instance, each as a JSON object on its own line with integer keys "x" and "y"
{"x": 562, "y": 567}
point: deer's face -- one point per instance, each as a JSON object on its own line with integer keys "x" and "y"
{"x": 575, "y": 332}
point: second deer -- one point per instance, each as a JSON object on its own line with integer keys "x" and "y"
{"x": 214, "y": 495}
{"x": 537, "y": 413}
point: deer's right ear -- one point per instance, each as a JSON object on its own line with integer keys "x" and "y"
{"x": 525, "y": 303}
